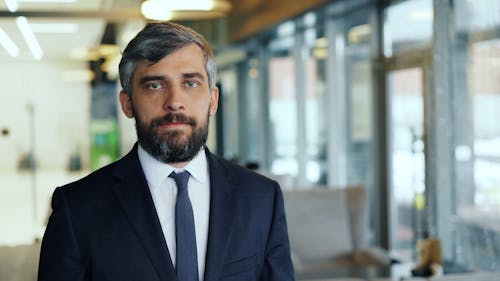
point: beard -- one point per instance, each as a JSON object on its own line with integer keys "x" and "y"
{"x": 172, "y": 146}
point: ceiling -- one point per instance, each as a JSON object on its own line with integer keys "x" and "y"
{"x": 64, "y": 30}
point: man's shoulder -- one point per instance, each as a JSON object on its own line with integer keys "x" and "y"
{"x": 108, "y": 174}
{"x": 93, "y": 181}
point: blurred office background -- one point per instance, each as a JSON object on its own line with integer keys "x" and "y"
{"x": 401, "y": 98}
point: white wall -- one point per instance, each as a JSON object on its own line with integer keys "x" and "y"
{"x": 61, "y": 112}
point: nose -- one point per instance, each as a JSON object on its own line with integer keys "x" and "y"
{"x": 173, "y": 100}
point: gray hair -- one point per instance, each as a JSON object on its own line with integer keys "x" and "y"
{"x": 156, "y": 41}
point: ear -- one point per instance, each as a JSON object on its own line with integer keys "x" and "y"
{"x": 126, "y": 104}
{"x": 214, "y": 101}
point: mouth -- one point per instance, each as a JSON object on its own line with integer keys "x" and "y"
{"x": 172, "y": 125}
{"x": 172, "y": 121}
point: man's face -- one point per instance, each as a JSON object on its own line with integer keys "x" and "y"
{"x": 171, "y": 103}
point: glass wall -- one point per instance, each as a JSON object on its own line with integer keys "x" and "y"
{"x": 477, "y": 133}
{"x": 405, "y": 91}
{"x": 315, "y": 50}
{"x": 407, "y": 42}
{"x": 359, "y": 89}
{"x": 253, "y": 107}
{"x": 283, "y": 104}
{"x": 297, "y": 57}
{"x": 228, "y": 106}
{"x": 319, "y": 109}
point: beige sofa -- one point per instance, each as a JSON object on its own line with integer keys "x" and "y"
{"x": 328, "y": 233}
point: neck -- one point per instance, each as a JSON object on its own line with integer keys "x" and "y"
{"x": 178, "y": 165}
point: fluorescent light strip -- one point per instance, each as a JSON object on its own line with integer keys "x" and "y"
{"x": 152, "y": 9}
{"x": 11, "y": 5}
{"x": 29, "y": 36}
{"x": 47, "y": 1}
{"x": 191, "y": 5}
{"x": 8, "y": 44}
{"x": 54, "y": 27}
{"x": 163, "y": 9}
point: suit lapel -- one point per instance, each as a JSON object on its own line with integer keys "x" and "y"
{"x": 220, "y": 218}
{"x": 136, "y": 201}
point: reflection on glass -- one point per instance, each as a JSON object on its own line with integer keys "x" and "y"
{"x": 477, "y": 151}
{"x": 408, "y": 33}
{"x": 315, "y": 110}
{"x": 229, "y": 98}
{"x": 408, "y": 26}
{"x": 283, "y": 115}
{"x": 485, "y": 92}
{"x": 407, "y": 150}
{"x": 283, "y": 107}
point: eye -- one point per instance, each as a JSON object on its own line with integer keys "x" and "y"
{"x": 153, "y": 86}
{"x": 191, "y": 83}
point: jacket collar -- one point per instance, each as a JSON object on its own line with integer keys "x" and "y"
{"x": 133, "y": 194}
{"x": 221, "y": 210}
{"x": 135, "y": 199}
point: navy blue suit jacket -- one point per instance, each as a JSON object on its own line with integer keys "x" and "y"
{"x": 104, "y": 227}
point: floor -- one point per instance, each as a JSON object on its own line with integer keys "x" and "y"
{"x": 19, "y": 263}
{"x": 24, "y": 207}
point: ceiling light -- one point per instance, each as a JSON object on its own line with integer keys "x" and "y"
{"x": 422, "y": 15}
{"x": 167, "y": 9}
{"x": 78, "y": 75}
{"x": 154, "y": 10}
{"x": 29, "y": 36}
{"x": 79, "y": 53}
{"x": 171, "y": 5}
{"x": 8, "y": 44}
{"x": 11, "y": 5}
{"x": 54, "y": 27}
{"x": 310, "y": 19}
{"x": 286, "y": 29}
{"x": 360, "y": 33}
{"x": 47, "y": 1}
{"x": 322, "y": 42}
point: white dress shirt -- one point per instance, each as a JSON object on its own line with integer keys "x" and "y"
{"x": 164, "y": 192}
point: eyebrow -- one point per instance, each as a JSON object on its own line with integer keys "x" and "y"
{"x": 163, "y": 78}
{"x": 194, "y": 75}
{"x": 151, "y": 78}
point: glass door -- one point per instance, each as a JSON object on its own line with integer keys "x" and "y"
{"x": 283, "y": 106}
{"x": 407, "y": 156}
{"x": 297, "y": 61}
{"x": 408, "y": 55}
{"x": 477, "y": 133}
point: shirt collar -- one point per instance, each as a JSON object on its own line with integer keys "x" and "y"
{"x": 156, "y": 171}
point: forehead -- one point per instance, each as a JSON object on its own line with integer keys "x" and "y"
{"x": 187, "y": 58}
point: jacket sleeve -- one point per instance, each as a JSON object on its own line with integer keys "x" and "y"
{"x": 60, "y": 257}
{"x": 278, "y": 263}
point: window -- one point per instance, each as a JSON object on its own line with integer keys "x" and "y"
{"x": 407, "y": 49}
{"x": 477, "y": 132}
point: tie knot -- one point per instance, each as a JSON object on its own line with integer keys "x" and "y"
{"x": 181, "y": 180}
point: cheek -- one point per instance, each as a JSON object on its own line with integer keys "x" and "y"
{"x": 141, "y": 116}
{"x": 196, "y": 107}
{"x": 145, "y": 109}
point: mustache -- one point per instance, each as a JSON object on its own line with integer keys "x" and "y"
{"x": 173, "y": 118}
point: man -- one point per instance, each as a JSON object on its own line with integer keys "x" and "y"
{"x": 134, "y": 219}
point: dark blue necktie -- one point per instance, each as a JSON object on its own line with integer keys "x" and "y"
{"x": 187, "y": 263}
